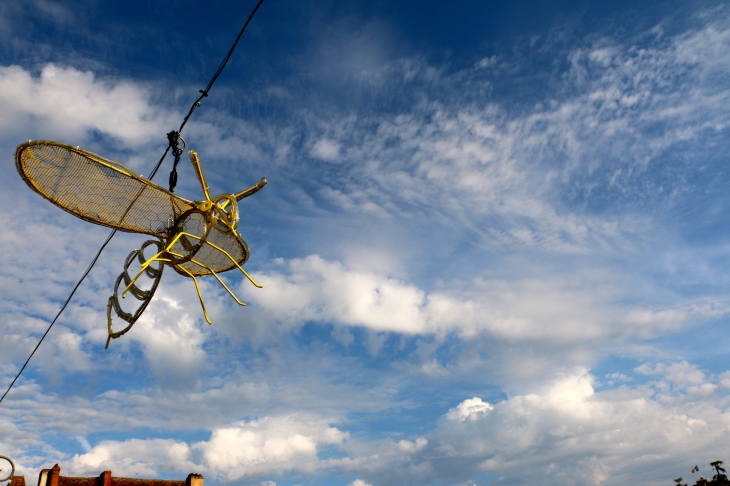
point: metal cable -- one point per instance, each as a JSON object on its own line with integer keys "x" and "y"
{"x": 172, "y": 138}
{"x": 93, "y": 262}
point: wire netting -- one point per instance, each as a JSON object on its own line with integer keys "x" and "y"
{"x": 216, "y": 260}
{"x": 105, "y": 192}
{"x": 97, "y": 189}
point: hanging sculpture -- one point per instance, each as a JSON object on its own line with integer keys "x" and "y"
{"x": 195, "y": 238}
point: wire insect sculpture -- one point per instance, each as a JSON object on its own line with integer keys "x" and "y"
{"x": 195, "y": 238}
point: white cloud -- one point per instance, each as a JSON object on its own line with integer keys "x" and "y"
{"x": 348, "y": 49}
{"x": 412, "y": 446}
{"x": 359, "y": 482}
{"x": 132, "y": 457}
{"x": 487, "y": 62}
{"x": 550, "y": 310}
{"x": 317, "y": 289}
{"x": 326, "y": 149}
{"x": 610, "y": 436}
{"x": 268, "y": 446}
{"x": 529, "y": 178}
{"x": 10, "y": 15}
{"x": 69, "y": 103}
{"x": 725, "y": 379}
{"x": 682, "y": 375}
{"x": 469, "y": 409}
{"x": 607, "y": 438}
{"x": 84, "y": 443}
{"x": 171, "y": 337}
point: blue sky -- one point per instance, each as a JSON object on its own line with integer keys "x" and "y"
{"x": 493, "y": 243}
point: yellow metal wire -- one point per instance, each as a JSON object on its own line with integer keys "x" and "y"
{"x": 160, "y": 257}
{"x": 199, "y": 172}
{"x": 200, "y": 296}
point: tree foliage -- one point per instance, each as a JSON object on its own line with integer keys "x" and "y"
{"x": 718, "y": 479}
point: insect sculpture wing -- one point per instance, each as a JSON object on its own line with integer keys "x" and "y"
{"x": 98, "y": 190}
{"x": 105, "y": 192}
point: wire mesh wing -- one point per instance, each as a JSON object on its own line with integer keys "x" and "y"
{"x": 98, "y": 190}
{"x": 197, "y": 247}
{"x": 216, "y": 260}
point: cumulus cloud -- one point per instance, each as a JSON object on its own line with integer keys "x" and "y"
{"x": 611, "y": 436}
{"x": 469, "y": 409}
{"x": 606, "y": 437}
{"x": 268, "y": 446}
{"x": 359, "y": 482}
{"x": 555, "y": 310}
{"x": 133, "y": 457}
{"x": 318, "y": 289}
{"x": 172, "y": 339}
{"x": 71, "y": 103}
{"x": 682, "y": 376}
{"x": 412, "y": 446}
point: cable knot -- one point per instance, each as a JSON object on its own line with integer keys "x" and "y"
{"x": 174, "y": 140}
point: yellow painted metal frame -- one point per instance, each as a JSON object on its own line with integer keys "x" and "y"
{"x": 228, "y": 217}
{"x": 26, "y": 148}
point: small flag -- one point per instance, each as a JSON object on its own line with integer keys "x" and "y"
{"x": 695, "y": 469}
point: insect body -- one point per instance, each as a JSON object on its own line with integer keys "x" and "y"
{"x": 195, "y": 238}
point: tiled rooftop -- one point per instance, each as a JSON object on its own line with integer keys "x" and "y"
{"x": 52, "y": 477}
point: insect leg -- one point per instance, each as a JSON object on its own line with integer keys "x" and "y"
{"x": 220, "y": 281}
{"x": 200, "y": 296}
{"x": 235, "y": 263}
{"x": 156, "y": 257}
